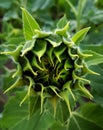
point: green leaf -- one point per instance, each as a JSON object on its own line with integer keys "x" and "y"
{"x": 62, "y": 26}
{"x": 15, "y": 54}
{"x": 40, "y": 5}
{"x": 98, "y": 48}
{"x": 5, "y": 4}
{"x": 97, "y": 83}
{"x": 13, "y": 113}
{"x": 98, "y": 17}
{"x": 95, "y": 64}
{"x": 5, "y": 79}
{"x": 92, "y": 112}
{"x": 40, "y": 48}
{"x": 62, "y": 31}
{"x": 37, "y": 122}
{"x": 34, "y": 104}
{"x": 62, "y": 22}
{"x": 18, "y": 83}
{"x": 58, "y": 126}
{"x": 62, "y": 113}
{"x": 11, "y": 14}
{"x": 27, "y": 47}
{"x": 79, "y": 122}
{"x": 29, "y": 25}
{"x": 79, "y": 36}
{"x": 16, "y": 117}
{"x": 96, "y": 52}
{"x": 95, "y": 59}
{"x": 3, "y": 60}
{"x": 65, "y": 95}
{"x": 31, "y": 83}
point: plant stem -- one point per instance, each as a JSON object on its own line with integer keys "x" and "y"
{"x": 77, "y": 13}
{"x": 72, "y": 7}
{"x": 81, "y": 5}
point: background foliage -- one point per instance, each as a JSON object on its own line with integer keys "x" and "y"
{"x": 88, "y": 115}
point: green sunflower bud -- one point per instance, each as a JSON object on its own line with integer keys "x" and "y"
{"x": 50, "y": 64}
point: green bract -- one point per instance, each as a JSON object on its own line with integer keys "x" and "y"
{"x": 50, "y": 64}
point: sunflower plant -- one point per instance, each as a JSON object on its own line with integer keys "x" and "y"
{"x": 51, "y": 68}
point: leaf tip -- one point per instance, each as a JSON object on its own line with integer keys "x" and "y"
{"x": 5, "y": 92}
{"x": 22, "y": 8}
{"x": 88, "y": 28}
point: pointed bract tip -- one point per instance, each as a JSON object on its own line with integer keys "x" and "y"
{"x": 22, "y": 8}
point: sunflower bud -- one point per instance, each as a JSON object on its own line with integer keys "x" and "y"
{"x": 50, "y": 64}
